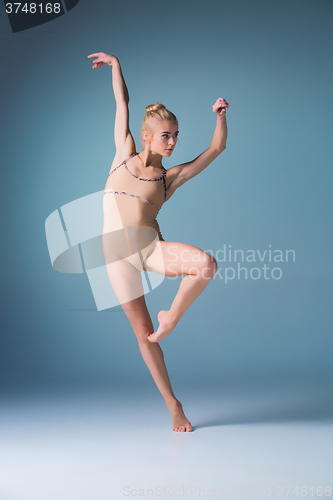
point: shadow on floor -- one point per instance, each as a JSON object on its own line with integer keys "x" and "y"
{"x": 312, "y": 410}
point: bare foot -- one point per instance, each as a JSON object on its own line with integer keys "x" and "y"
{"x": 179, "y": 421}
{"x": 167, "y": 324}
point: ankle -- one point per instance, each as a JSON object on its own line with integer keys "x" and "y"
{"x": 173, "y": 317}
{"x": 172, "y": 402}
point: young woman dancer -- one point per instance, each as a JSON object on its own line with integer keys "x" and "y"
{"x": 136, "y": 188}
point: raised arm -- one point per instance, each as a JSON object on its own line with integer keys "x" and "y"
{"x": 123, "y": 138}
{"x": 179, "y": 174}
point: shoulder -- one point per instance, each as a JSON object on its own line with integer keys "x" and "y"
{"x": 173, "y": 180}
{"x": 174, "y": 177}
{"x": 121, "y": 157}
{"x": 172, "y": 173}
{"x": 124, "y": 154}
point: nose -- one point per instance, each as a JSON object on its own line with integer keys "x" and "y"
{"x": 172, "y": 141}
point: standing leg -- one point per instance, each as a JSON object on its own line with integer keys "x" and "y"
{"x": 138, "y": 315}
{"x": 126, "y": 281}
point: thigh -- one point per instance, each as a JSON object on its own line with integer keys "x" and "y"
{"x": 176, "y": 259}
{"x": 123, "y": 267}
{"x": 125, "y": 280}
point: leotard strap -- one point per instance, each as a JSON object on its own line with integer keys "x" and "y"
{"x": 122, "y": 163}
{"x": 163, "y": 177}
{"x": 128, "y": 194}
{"x": 140, "y": 178}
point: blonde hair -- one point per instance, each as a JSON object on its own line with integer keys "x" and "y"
{"x": 155, "y": 112}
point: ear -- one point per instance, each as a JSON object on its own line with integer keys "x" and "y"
{"x": 146, "y": 136}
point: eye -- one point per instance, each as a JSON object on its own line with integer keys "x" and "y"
{"x": 165, "y": 135}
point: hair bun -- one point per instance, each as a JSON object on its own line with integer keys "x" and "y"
{"x": 154, "y": 107}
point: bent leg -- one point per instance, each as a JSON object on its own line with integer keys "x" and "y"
{"x": 176, "y": 259}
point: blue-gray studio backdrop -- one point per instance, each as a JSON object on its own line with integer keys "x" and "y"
{"x": 268, "y": 310}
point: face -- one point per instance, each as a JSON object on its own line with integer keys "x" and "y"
{"x": 164, "y": 138}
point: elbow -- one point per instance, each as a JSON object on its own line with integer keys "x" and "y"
{"x": 220, "y": 147}
{"x": 217, "y": 150}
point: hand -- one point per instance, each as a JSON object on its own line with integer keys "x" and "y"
{"x": 220, "y": 106}
{"x": 102, "y": 59}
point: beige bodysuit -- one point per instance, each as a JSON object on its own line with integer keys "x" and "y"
{"x": 131, "y": 205}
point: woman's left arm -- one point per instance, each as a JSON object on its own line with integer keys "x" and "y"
{"x": 179, "y": 174}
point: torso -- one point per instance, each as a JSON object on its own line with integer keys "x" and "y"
{"x": 145, "y": 189}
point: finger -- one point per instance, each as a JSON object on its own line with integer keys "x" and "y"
{"x": 96, "y": 54}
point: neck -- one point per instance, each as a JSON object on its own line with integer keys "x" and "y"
{"x": 151, "y": 159}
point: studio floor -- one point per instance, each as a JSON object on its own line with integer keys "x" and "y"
{"x": 264, "y": 439}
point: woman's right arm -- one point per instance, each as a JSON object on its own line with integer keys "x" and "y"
{"x": 123, "y": 138}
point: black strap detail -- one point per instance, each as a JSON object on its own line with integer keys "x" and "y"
{"x": 130, "y": 156}
{"x": 163, "y": 177}
{"x": 122, "y": 163}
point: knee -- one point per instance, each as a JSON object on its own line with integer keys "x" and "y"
{"x": 142, "y": 333}
{"x": 209, "y": 266}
